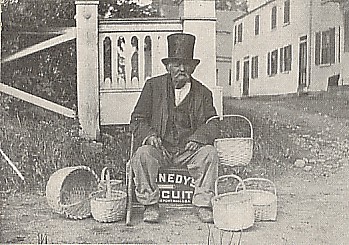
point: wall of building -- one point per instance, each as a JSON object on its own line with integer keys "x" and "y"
{"x": 326, "y": 16}
{"x": 224, "y": 44}
{"x": 267, "y": 41}
{"x": 323, "y": 17}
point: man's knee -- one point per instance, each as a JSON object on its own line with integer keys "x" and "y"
{"x": 145, "y": 150}
{"x": 146, "y": 154}
{"x": 209, "y": 150}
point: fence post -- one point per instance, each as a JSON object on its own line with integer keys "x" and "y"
{"x": 87, "y": 68}
{"x": 199, "y": 18}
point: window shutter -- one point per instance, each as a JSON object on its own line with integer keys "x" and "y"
{"x": 256, "y": 25}
{"x": 346, "y": 31}
{"x": 237, "y": 75}
{"x": 282, "y": 59}
{"x": 235, "y": 34}
{"x": 268, "y": 64}
{"x": 332, "y": 45}
{"x": 287, "y": 11}
{"x": 273, "y": 17}
{"x": 289, "y": 58}
{"x": 317, "y": 47}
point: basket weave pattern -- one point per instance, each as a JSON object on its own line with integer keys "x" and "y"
{"x": 68, "y": 191}
{"x": 264, "y": 199}
{"x": 108, "y": 209}
{"x": 234, "y": 151}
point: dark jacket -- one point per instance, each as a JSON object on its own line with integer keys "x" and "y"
{"x": 151, "y": 113}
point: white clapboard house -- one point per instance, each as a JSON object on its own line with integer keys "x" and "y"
{"x": 289, "y": 46}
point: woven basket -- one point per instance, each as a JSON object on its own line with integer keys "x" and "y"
{"x": 235, "y": 151}
{"x": 264, "y": 199}
{"x": 68, "y": 191}
{"x": 110, "y": 209}
{"x": 232, "y": 211}
{"x": 108, "y": 205}
{"x": 115, "y": 184}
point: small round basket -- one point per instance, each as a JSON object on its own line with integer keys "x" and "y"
{"x": 232, "y": 211}
{"x": 68, "y": 191}
{"x": 108, "y": 209}
{"x": 264, "y": 199}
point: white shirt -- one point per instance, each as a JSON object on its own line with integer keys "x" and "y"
{"x": 181, "y": 93}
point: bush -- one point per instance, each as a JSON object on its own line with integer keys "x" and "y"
{"x": 40, "y": 142}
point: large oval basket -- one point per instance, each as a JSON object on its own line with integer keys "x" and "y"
{"x": 264, "y": 199}
{"x": 68, "y": 191}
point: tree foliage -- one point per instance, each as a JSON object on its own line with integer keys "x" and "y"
{"x": 50, "y": 73}
{"x": 231, "y": 5}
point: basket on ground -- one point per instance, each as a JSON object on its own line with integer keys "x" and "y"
{"x": 108, "y": 205}
{"x": 264, "y": 199}
{"x": 109, "y": 209}
{"x": 232, "y": 211}
{"x": 68, "y": 191}
{"x": 235, "y": 151}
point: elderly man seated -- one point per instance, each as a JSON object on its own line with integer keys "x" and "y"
{"x": 169, "y": 124}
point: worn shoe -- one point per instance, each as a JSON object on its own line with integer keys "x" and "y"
{"x": 151, "y": 213}
{"x": 205, "y": 214}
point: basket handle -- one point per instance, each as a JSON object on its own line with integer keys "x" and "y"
{"x": 103, "y": 177}
{"x": 260, "y": 180}
{"x": 108, "y": 193}
{"x": 233, "y": 115}
{"x": 241, "y": 182}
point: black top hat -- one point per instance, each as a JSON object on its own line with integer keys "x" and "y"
{"x": 181, "y": 48}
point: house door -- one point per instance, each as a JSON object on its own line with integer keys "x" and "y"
{"x": 302, "y": 78}
{"x": 246, "y": 78}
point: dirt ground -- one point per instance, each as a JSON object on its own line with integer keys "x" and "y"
{"x": 312, "y": 194}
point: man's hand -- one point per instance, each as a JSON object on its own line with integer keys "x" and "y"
{"x": 154, "y": 141}
{"x": 192, "y": 146}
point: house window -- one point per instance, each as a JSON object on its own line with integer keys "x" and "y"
{"x": 273, "y": 17}
{"x": 285, "y": 58}
{"x": 238, "y": 35}
{"x": 256, "y": 25}
{"x": 254, "y": 68}
{"x": 325, "y": 47}
{"x": 272, "y": 68}
{"x": 287, "y": 12}
{"x": 237, "y": 74}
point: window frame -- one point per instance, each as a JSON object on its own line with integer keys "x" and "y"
{"x": 254, "y": 67}
{"x": 285, "y": 55}
{"x": 325, "y": 47}
{"x": 273, "y": 62}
